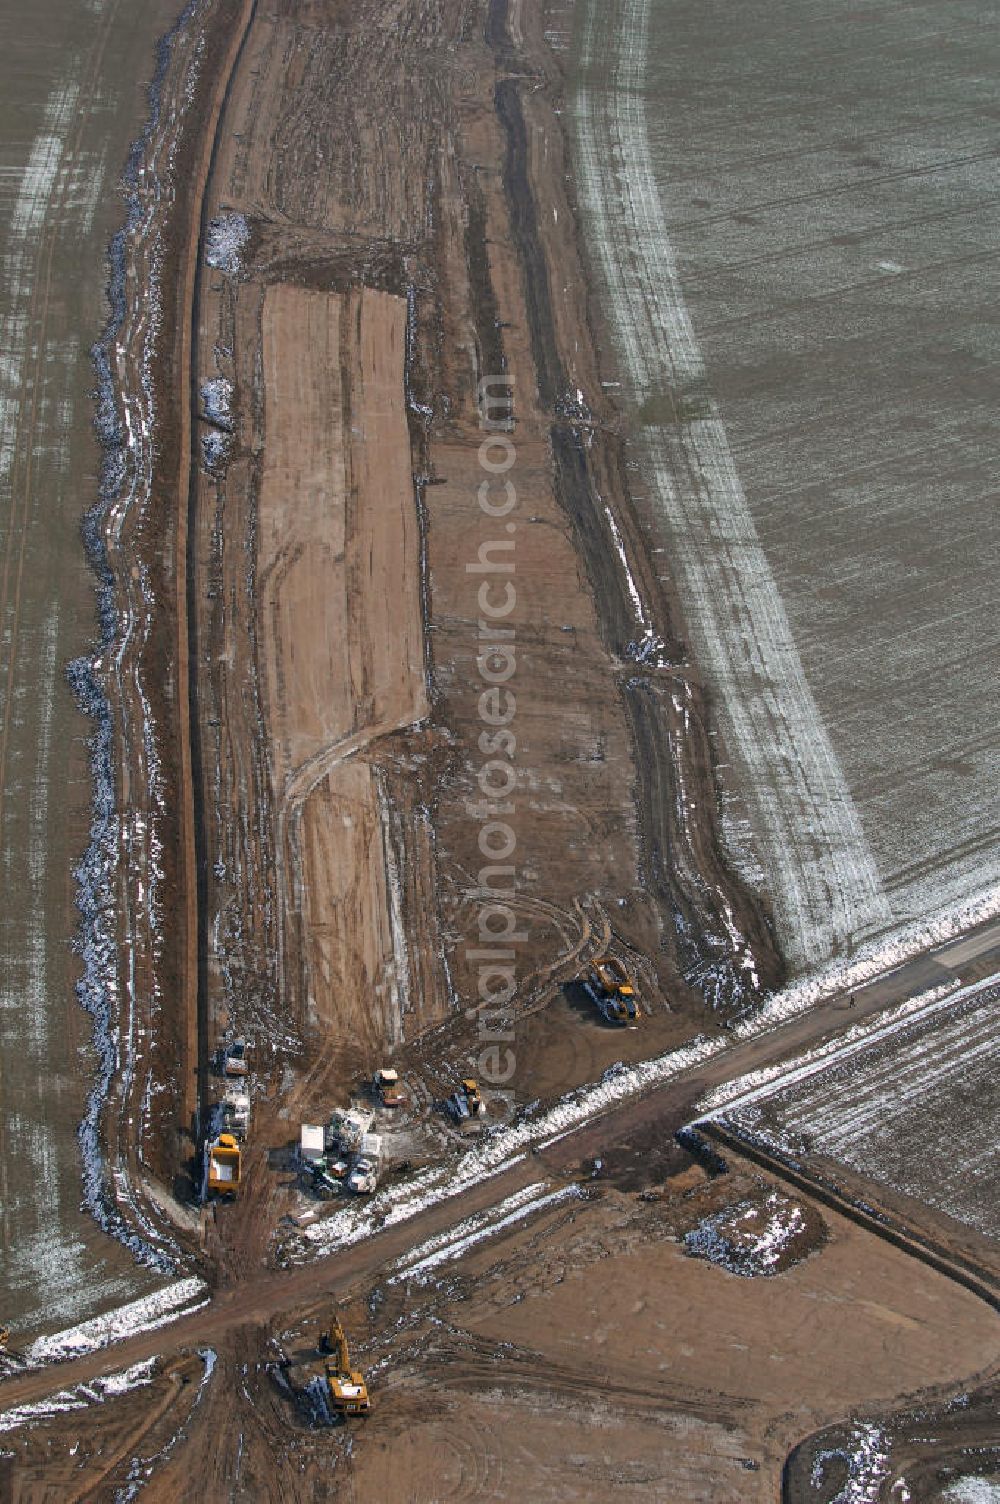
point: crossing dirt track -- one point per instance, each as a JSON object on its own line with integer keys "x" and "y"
{"x": 366, "y": 618}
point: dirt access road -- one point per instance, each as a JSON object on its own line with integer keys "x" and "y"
{"x": 262, "y": 1297}
{"x": 585, "y": 1314}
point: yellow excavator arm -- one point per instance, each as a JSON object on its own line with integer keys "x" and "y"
{"x": 336, "y": 1346}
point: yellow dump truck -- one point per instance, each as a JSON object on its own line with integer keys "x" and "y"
{"x": 466, "y": 1102}
{"x": 224, "y": 1163}
{"x": 473, "y": 1096}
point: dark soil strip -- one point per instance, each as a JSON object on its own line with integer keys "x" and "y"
{"x": 520, "y": 202}
{"x": 492, "y": 359}
{"x": 193, "y": 584}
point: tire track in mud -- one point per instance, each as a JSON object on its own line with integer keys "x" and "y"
{"x": 723, "y": 942}
{"x": 194, "y": 883}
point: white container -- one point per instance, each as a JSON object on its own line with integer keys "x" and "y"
{"x": 312, "y": 1144}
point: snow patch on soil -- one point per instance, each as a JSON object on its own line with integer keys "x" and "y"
{"x": 111, "y": 1386}
{"x": 143, "y": 1315}
{"x": 217, "y": 401}
{"x": 755, "y": 1237}
{"x": 477, "y": 1229}
{"x": 866, "y": 1457}
{"x": 973, "y": 1490}
{"x": 225, "y": 243}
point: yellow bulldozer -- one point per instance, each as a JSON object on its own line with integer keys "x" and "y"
{"x": 347, "y": 1390}
{"x": 611, "y": 988}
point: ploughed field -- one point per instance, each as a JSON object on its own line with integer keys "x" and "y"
{"x": 73, "y": 92}
{"x": 916, "y": 1109}
{"x": 791, "y": 215}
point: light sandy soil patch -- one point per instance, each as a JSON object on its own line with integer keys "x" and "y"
{"x": 347, "y": 939}
{"x": 338, "y": 565}
{"x": 339, "y": 583}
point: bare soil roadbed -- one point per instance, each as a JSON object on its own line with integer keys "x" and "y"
{"x": 264, "y": 1296}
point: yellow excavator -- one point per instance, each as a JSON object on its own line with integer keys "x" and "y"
{"x": 348, "y": 1392}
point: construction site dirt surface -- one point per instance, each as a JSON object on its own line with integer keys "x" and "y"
{"x": 369, "y": 224}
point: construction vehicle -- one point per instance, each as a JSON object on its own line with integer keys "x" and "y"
{"x": 363, "y": 1178}
{"x": 366, "y": 1169}
{"x": 312, "y": 1144}
{"x": 609, "y": 973}
{"x": 236, "y": 1113}
{"x": 347, "y": 1129}
{"x": 223, "y": 1165}
{"x": 323, "y": 1181}
{"x": 234, "y": 1058}
{"x": 466, "y": 1102}
{"x": 612, "y": 991}
{"x": 348, "y": 1392}
{"x": 388, "y": 1089}
{"x": 473, "y": 1097}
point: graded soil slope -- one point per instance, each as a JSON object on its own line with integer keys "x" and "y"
{"x": 363, "y": 566}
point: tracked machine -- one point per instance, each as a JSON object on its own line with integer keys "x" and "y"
{"x": 611, "y": 989}
{"x": 347, "y": 1392}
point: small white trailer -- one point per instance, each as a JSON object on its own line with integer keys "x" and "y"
{"x": 312, "y": 1143}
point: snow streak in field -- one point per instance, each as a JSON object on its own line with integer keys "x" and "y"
{"x": 877, "y": 958}
{"x": 156, "y": 1310}
{"x": 825, "y": 885}
{"x": 757, "y": 1085}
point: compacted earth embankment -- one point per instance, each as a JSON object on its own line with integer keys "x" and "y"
{"x": 394, "y": 641}
{"x": 411, "y": 627}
